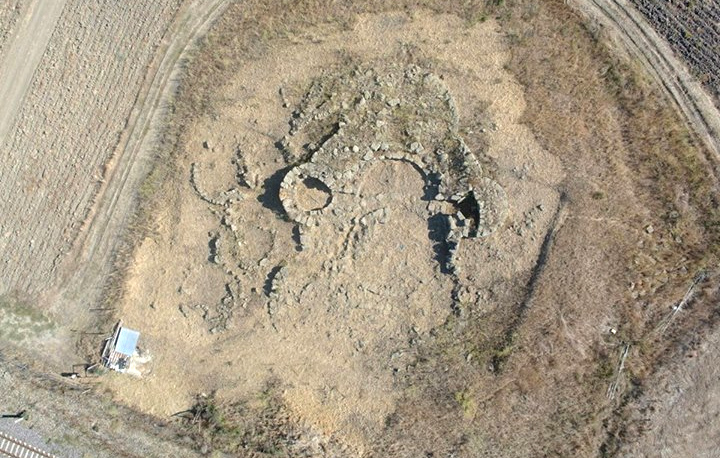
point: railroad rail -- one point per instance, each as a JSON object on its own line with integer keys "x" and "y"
{"x": 15, "y": 448}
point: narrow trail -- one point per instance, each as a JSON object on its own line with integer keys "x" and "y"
{"x": 635, "y": 35}
{"x": 25, "y": 51}
{"x": 88, "y": 266}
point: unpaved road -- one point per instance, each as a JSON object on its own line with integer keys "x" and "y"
{"x": 25, "y": 51}
{"x": 633, "y": 34}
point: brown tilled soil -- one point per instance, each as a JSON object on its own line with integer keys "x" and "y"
{"x": 66, "y": 130}
{"x": 9, "y": 15}
{"x": 691, "y": 29}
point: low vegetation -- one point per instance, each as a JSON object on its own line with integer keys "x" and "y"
{"x": 256, "y": 427}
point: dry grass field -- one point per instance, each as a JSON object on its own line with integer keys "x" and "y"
{"x": 300, "y": 254}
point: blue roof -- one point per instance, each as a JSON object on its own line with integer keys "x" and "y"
{"x": 127, "y": 341}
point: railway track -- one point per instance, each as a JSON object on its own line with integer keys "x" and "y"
{"x": 15, "y": 448}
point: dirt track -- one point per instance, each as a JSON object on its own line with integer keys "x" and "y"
{"x": 634, "y": 35}
{"x": 23, "y": 57}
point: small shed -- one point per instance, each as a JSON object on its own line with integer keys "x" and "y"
{"x": 120, "y": 348}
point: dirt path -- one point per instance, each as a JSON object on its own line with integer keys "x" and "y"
{"x": 633, "y": 34}
{"x": 24, "y": 53}
{"x": 90, "y": 263}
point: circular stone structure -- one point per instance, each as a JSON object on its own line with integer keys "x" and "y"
{"x": 306, "y": 192}
{"x": 384, "y": 111}
{"x": 492, "y": 206}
